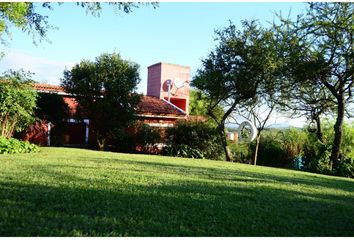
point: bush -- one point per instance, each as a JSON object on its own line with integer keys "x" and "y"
{"x": 11, "y": 145}
{"x": 279, "y": 148}
{"x": 271, "y": 151}
{"x": 346, "y": 168}
{"x": 193, "y": 139}
{"x": 182, "y": 151}
{"x": 241, "y": 152}
{"x": 317, "y": 154}
{"x": 137, "y": 137}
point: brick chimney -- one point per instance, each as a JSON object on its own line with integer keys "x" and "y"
{"x": 157, "y": 86}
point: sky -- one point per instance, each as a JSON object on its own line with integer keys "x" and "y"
{"x": 180, "y": 33}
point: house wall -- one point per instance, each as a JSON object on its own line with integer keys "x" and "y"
{"x": 154, "y": 80}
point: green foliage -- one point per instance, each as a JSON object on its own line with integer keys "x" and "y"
{"x": 242, "y": 66}
{"x": 241, "y": 152}
{"x": 144, "y": 135}
{"x": 17, "y": 102}
{"x": 271, "y": 150}
{"x": 138, "y": 136}
{"x": 104, "y": 90}
{"x": 317, "y": 154}
{"x": 318, "y": 53}
{"x": 279, "y": 148}
{"x": 346, "y": 168}
{"x": 11, "y": 145}
{"x": 232, "y": 71}
{"x": 198, "y": 104}
{"x": 183, "y": 151}
{"x": 23, "y": 15}
{"x": 348, "y": 140}
{"x": 194, "y": 139}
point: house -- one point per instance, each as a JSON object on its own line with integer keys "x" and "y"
{"x": 167, "y": 101}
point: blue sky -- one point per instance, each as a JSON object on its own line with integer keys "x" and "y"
{"x": 181, "y": 33}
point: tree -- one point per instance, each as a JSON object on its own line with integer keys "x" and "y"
{"x": 17, "y": 102}
{"x": 257, "y": 110}
{"x": 198, "y": 103}
{"x": 320, "y": 52}
{"x": 301, "y": 99}
{"x": 241, "y": 66}
{"x": 104, "y": 91}
{"x": 23, "y": 15}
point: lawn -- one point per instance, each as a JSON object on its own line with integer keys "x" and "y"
{"x": 75, "y": 192}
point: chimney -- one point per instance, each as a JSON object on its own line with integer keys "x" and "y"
{"x": 179, "y": 75}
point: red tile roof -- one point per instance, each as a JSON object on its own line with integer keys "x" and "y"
{"x": 43, "y": 87}
{"x": 148, "y": 105}
{"x": 155, "y": 106}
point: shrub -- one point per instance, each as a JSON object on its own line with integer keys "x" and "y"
{"x": 11, "y": 145}
{"x": 345, "y": 168}
{"x": 195, "y": 138}
{"x": 182, "y": 151}
{"x": 317, "y": 154}
{"x": 137, "y": 137}
{"x": 241, "y": 152}
{"x": 270, "y": 151}
{"x": 279, "y": 148}
{"x": 17, "y": 102}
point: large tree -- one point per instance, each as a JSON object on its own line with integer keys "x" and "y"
{"x": 104, "y": 90}
{"x": 320, "y": 52}
{"x": 241, "y": 66}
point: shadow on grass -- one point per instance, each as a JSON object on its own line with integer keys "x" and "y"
{"x": 311, "y": 180}
{"x": 183, "y": 208}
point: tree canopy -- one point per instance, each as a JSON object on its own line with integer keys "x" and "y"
{"x": 242, "y": 64}
{"x": 319, "y": 54}
{"x": 198, "y": 103}
{"x": 104, "y": 90}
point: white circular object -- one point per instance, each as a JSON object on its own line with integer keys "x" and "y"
{"x": 253, "y": 131}
{"x": 179, "y": 83}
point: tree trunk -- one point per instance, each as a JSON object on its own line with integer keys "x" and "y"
{"x": 319, "y": 132}
{"x": 101, "y": 143}
{"x": 221, "y": 130}
{"x": 258, "y": 138}
{"x": 338, "y": 132}
{"x": 4, "y": 125}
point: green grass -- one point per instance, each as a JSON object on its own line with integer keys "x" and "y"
{"x": 74, "y": 192}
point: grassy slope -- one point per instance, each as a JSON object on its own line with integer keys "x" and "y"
{"x": 75, "y": 192}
